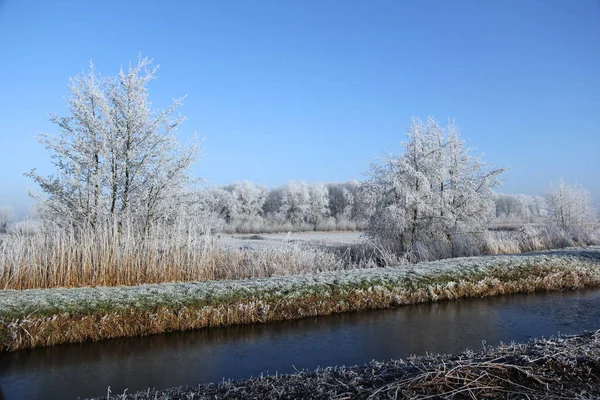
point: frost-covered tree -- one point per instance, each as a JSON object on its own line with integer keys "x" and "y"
{"x": 6, "y": 216}
{"x": 570, "y": 207}
{"x": 117, "y": 160}
{"x": 341, "y": 199}
{"x": 295, "y": 201}
{"x": 434, "y": 191}
{"x": 74, "y": 193}
{"x": 273, "y": 203}
{"x": 249, "y": 207}
{"x": 318, "y": 203}
{"x": 250, "y": 199}
{"x": 519, "y": 207}
{"x": 220, "y": 202}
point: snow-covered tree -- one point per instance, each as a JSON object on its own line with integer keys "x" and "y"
{"x": 433, "y": 191}
{"x": 220, "y": 202}
{"x": 318, "y": 203}
{"x": 250, "y": 199}
{"x": 6, "y": 216}
{"x": 273, "y": 203}
{"x": 74, "y": 193}
{"x": 519, "y": 207}
{"x": 570, "y": 207}
{"x": 116, "y": 159}
{"x": 295, "y": 202}
{"x": 341, "y": 199}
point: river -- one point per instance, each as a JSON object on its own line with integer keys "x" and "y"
{"x": 211, "y": 355}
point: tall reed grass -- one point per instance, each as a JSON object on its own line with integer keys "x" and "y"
{"x": 108, "y": 258}
{"x": 525, "y": 239}
{"x": 187, "y": 251}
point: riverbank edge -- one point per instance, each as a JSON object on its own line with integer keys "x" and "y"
{"x": 44, "y": 317}
{"x": 564, "y": 367}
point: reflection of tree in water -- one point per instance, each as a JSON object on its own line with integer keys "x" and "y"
{"x": 454, "y": 326}
{"x": 89, "y": 368}
{"x": 123, "y": 348}
{"x": 160, "y": 360}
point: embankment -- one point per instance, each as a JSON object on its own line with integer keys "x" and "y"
{"x": 43, "y": 317}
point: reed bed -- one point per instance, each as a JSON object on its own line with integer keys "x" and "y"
{"x": 63, "y": 260}
{"x": 184, "y": 252}
{"x": 43, "y": 317}
{"x": 555, "y": 368}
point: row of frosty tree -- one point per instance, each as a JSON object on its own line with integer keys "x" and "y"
{"x": 119, "y": 165}
{"x": 247, "y": 207}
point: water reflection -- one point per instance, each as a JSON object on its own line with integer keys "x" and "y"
{"x": 207, "y": 355}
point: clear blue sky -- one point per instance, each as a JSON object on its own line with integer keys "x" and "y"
{"x": 315, "y": 90}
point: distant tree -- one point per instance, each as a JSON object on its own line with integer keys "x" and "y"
{"x": 570, "y": 207}
{"x": 342, "y": 199}
{"x": 116, "y": 159}
{"x": 337, "y": 200}
{"x": 518, "y": 207}
{"x": 220, "y": 202}
{"x": 250, "y": 199}
{"x": 318, "y": 207}
{"x": 6, "y": 216}
{"x": 273, "y": 204}
{"x": 295, "y": 202}
{"x": 433, "y": 191}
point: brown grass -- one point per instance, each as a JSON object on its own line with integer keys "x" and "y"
{"x": 63, "y": 260}
{"x": 185, "y": 253}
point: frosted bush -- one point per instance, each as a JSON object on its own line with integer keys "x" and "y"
{"x": 433, "y": 191}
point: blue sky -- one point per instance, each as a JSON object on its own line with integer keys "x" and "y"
{"x": 315, "y": 90}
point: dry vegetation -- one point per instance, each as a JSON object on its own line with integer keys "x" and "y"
{"x": 62, "y": 260}
{"x": 559, "y": 368}
{"x": 180, "y": 254}
{"x": 43, "y": 317}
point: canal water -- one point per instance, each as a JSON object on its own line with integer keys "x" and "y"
{"x": 211, "y": 355}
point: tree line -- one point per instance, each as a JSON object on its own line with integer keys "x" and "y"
{"x": 119, "y": 164}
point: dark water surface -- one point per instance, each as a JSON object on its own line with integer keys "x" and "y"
{"x": 210, "y": 355}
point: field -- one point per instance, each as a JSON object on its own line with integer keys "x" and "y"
{"x": 283, "y": 240}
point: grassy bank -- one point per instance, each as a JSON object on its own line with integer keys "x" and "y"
{"x": 43, "y": 317}
{"x": 561, "y": 368}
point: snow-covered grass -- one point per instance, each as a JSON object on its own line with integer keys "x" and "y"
{"x": 39, "y": 317}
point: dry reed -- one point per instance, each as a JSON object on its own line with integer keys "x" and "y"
{"x": 184, "y": 253}
{"x": 63, "y": 260}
